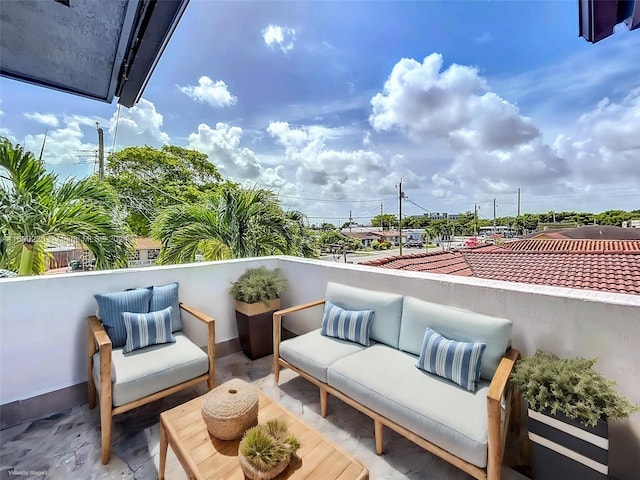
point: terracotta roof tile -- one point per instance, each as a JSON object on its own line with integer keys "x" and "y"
{"x": 576, "y": 246}
{"x": 146, "y": 243}
{"x": 451, "y": 262}
{"x": 604, "y": 265}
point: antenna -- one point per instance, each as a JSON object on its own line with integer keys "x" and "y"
{"x": 100, "y": 152}
{"x": 43, "y": 142}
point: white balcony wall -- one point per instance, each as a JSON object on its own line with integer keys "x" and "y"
{"x": 566, "y": 321}
{"x": 43, "y": 321}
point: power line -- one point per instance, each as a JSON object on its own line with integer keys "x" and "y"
{"x": 337, "y": 201}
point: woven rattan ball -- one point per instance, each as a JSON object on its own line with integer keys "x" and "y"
{"x": 230, "y": 409}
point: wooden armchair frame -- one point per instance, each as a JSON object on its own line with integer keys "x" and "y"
{"x": 98, "y": 340}
{"x": 500, "y": 393}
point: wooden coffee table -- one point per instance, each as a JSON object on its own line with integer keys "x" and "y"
{"x": 205, "y": 457}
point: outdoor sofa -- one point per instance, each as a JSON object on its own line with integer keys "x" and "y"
{"x": 464, "y": 427}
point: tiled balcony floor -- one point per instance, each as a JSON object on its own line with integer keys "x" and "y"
{"x": 66, "y": 445}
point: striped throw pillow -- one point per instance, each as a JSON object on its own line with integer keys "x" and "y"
{"x": 112, "y": 305}
{"x": 145, "y": 329}
{"x": 352, "y": 325}
{"x": 450, "y": 359}
{"x": 167, "y": 296}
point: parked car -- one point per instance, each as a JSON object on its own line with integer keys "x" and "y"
{"x": 414, "y": 244}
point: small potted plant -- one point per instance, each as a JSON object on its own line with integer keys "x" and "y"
{"x": 569, "y": 408}
{"x": 266, "y": 450}
{"x": 257, "y": 295}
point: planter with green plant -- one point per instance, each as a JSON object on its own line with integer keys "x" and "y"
{"x": 570, "y": 405}
{"x": 266, "y": 450}
{"x": 257, "y": 295}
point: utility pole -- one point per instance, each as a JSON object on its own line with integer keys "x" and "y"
{"x": 100, "y": 152}
{"x": 494, "y": 215}
{"x": 381, "y": 213}
{"x": 400, "y": 195}
{"x": 475, "y": 219}
{"x": 518, "y": 201}
{"x": 350, "y": 221}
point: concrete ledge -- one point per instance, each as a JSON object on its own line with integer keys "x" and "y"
{"x": 20, "y": 411}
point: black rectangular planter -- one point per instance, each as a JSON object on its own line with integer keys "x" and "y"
{"x": 563, "y": 448}
{"x": 256, "y": 334}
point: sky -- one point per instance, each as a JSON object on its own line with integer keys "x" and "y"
{"x": 333, "y": 104}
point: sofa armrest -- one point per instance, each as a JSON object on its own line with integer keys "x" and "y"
{"x": 98, "y": 337}
{"x": 99, "y": 341}
{"x": 498, "y": 389}
{"x": 211, "y": 339}
{"x": 277, "y": 329}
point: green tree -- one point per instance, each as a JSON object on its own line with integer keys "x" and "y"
{"x": 429, "y": 234}
{"x": 35, "y": 209}
{"x": 149, "y": 179}
{"x": 234, "y": 223}
{"x": 333, "y": 239}
{"x": 327, "y": 226}
{"x": 386, "y": 221}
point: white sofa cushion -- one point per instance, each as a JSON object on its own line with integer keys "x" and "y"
{"x": 462, "y": 325}
{"x": 313, "y": 353}
{"x": 387, "y": 307}
{"x": 386, "y": 381}
{"x": 149, "y": 370}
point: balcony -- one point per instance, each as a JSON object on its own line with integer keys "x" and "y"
{"x": 43, "y": 360}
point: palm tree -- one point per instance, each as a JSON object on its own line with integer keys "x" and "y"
{"x": 235, "y": 223}
{"x": 34, "y": 210}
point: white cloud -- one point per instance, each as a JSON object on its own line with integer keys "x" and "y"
{"x": 48, "y": 119}
{"x": 492, "y": 146}
{"x": 605, "y": 147}
{"x": 139, "y": 125}
{"x": 281, "y": 37}
{"x": 64, "y": 146}
{"x": 337, "y": 174}
{"x": 222, "y": 145}
{"x": 215, "y": 93}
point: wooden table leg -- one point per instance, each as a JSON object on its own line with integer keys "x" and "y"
{"x": 164, "y": 444}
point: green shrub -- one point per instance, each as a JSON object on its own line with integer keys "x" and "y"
{"x": 570, "y": 386}
{"x": 259, "y": 285}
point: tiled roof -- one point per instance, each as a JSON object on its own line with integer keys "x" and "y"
{"x": 611, "y": 266}
{"x": 574, "y": 246}
{"x": 361, "y": 235}
{"x": 146, "y": 243}
{"x": 591, "y": 232}
{"x": 451, "y": 262}
{"x": 610, "y": 272}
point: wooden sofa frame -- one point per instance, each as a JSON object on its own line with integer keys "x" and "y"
{"x": 98, "y": 340}
{"x": 499, "y": 389}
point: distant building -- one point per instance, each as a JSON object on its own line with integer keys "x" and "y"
{"x": 590, "y": 232}
{"x": 391, "y": 236}
{"x": 442, "y": 216}
{"x": 147, "y": 251}
{"x": 365, "y": 238}
{"x": 543, "y": 227}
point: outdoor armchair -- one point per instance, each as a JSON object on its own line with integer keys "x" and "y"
{"x": 124, "y": 378}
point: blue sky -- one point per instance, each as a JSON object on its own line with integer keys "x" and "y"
{"x": 332, "y": 103}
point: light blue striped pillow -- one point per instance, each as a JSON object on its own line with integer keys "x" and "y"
{"x": 450, "y": 359}
{"x": 145, "y": 329}
{"x": 167, "y": 296}
{"x": 111, "y": 306}
{"x": 352, "y": 325}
